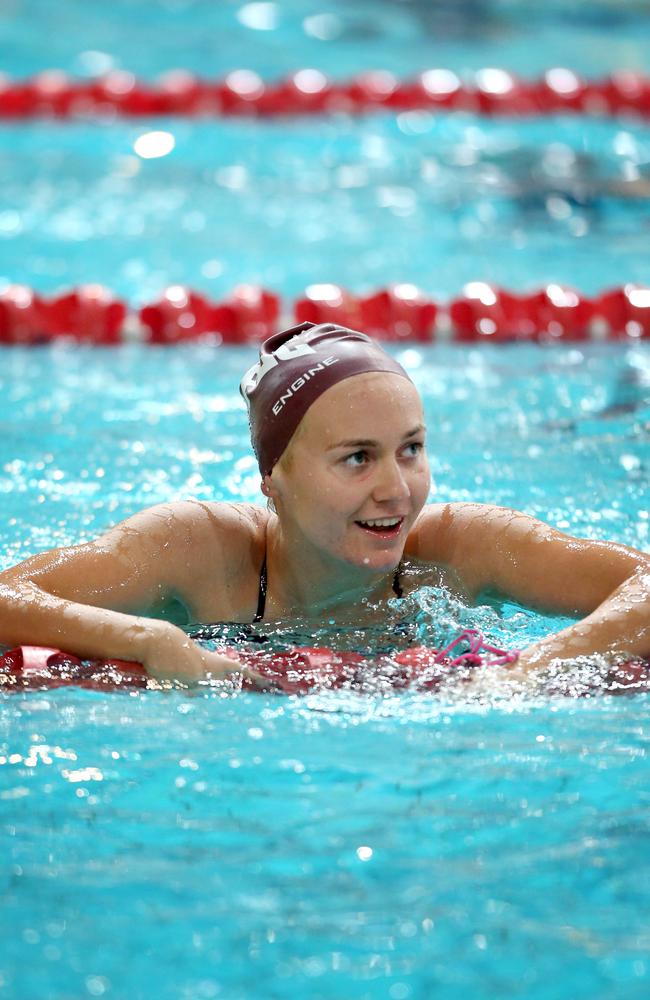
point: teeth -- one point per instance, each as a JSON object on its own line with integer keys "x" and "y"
{"x": 382, "y": 522}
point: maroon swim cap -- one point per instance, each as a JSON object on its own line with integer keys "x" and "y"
{"x": 296, "y": 366}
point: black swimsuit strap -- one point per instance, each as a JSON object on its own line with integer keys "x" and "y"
{"x": 261, "y": 594}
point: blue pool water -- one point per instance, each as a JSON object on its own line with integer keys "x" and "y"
{"x": 435, "y": 201}
{"x": 193, "y": 846}
{"x": 404, "y": 36}
{"x": 339, "y": 844}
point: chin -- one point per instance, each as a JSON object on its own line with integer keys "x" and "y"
{"x": 380, "y": 562}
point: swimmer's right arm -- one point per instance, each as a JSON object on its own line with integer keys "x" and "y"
{"x": 30, "y": 615}
{"x": 79, "y": 599}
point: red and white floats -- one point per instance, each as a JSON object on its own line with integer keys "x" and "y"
{"x": 400, "y": 313}
{"x": 489, "y": 91}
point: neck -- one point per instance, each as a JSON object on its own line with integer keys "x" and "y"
{"x": 307, "y": 580}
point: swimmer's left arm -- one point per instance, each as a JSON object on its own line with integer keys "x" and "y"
{"x": 618, "y": 628}
{"x": 606, "y": 584}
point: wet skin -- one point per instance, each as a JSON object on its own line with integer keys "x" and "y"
{"x": 357, "y": 456}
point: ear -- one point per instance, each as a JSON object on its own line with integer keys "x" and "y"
{"x": 270, "y": 492}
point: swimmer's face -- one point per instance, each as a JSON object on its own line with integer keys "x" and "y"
{"x": 357, "y": 456}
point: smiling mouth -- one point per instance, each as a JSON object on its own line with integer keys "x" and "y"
{"x": 386, "y": 527}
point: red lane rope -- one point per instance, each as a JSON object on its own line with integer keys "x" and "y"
{"x": 491, "y": 91}
{"x": 304, "y": 669}
{"x": 294, "y": 671}
{"x": 403, "y": 313}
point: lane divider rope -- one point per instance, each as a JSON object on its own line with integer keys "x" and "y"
{"x": 401, "y": 313}
{"x": 304, "y": 669}
{"x": 490, "y": 91}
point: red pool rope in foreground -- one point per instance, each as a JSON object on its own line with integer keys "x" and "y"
{"x": 401, "y": 313}
{"x": 297, "y": 671}
{"x": 308, "y": 91}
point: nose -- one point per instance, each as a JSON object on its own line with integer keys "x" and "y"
{"x": 390, "y": 483}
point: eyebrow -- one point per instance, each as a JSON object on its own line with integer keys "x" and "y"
{"x": 369, "y": 442}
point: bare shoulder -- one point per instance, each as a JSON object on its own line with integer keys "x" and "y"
{"x": 221, "y": 557}
{"x": 465, "y": 536}
{"x": 201, "y": 533}
{"x": 444, "y": 525}
{"x": 189, "y": 522}
{"x": 440, "y": 527}
{"x": 513, "y": 553}
{"x": 222, "y": 519}
{"x": 202, "y": 554}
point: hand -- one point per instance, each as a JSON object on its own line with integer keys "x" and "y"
{"x": 519, "y": 676}
{"x": 172, "y": 656}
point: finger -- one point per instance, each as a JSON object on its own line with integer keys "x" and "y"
{"x": 221, "y": 665}
{"x": 234, "y": 671}
{"x": 259, "y": 682}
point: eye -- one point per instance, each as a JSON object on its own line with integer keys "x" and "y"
{"x": 416, "y": 448}
{"x": 356, "y": 459}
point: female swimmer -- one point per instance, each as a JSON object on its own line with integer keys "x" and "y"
{"x": 338, "y": 430}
